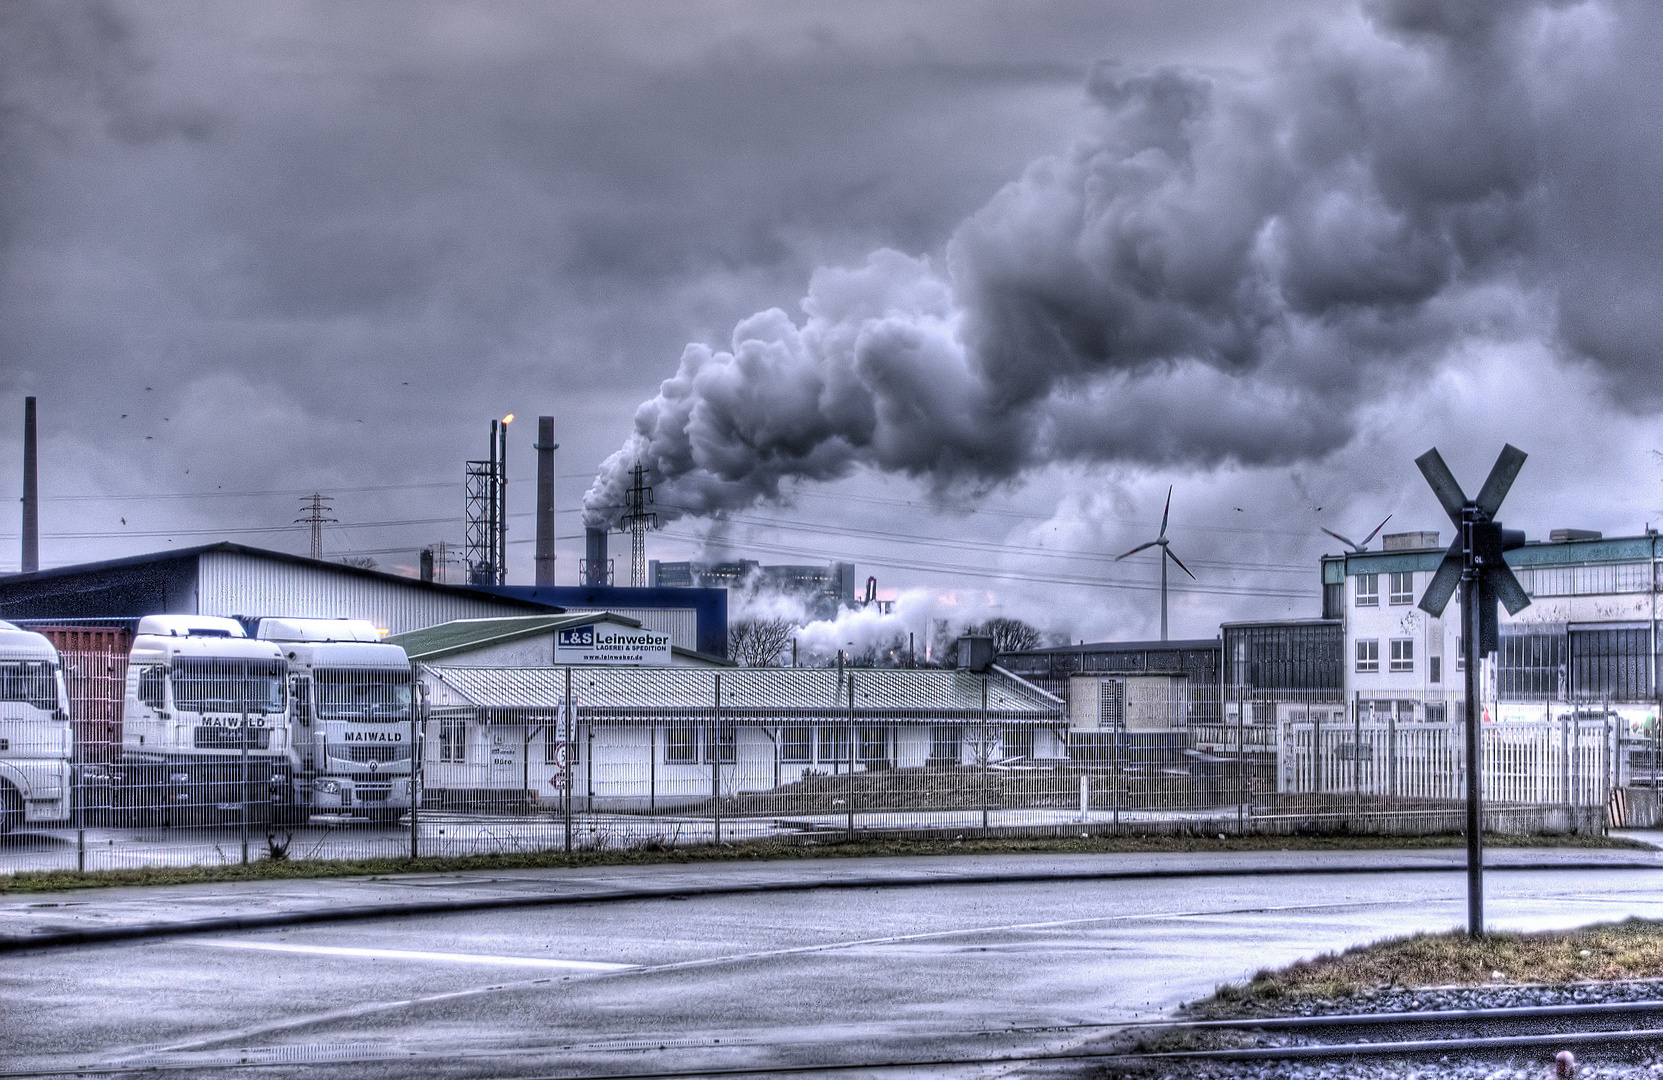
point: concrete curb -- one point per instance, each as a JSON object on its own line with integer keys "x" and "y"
{"x": 11, "y": 943}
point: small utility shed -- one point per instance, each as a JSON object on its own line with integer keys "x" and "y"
{"x": 646, "y": 738}
{"x": 540, "y": 641}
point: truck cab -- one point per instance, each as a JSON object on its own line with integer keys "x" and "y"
{"x": 350, "y": 725}
{"x": 205, "y": 737}
{"x": 34, "y": 731}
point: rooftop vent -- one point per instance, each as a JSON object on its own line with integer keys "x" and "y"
{"x": 1408, "y": 541}
{"x": 1559, "y": 536}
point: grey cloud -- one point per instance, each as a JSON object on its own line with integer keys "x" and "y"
{"x": 1225, "y": 269}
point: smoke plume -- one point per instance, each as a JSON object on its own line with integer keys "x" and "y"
{"x": 1225, "y": 269}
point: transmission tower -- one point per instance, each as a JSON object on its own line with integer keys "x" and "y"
{"x": 314, "y": 508}
{"x": 636, "y": 520}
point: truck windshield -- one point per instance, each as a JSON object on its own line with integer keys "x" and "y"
{"x": 31, "y": 681}
{"x": 362, "y": 695}
{"x": 227, "y": 685}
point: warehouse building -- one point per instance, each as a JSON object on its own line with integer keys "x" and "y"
{"x": 660, "y": 737}
{"x": 234, "y": 580}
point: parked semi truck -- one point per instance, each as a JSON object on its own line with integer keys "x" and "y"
{"x": 34, "y": 732}
{"x": 205, "y": 725}
{"x": 350, "y": 720}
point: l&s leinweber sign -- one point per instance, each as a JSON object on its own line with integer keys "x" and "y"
{"x": 611, "y": 643}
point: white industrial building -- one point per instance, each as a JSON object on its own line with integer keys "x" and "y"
{"x": 654, "y": 737}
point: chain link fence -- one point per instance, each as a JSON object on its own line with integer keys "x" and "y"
{"x": 1108, "y": 755}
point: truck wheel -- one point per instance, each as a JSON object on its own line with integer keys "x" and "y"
{"x": 11, "y": 809}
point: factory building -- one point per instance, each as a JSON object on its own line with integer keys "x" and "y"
{"x": 696, "y": 619}
{"x": 1588, "y": 642}
{"x": 822, "y": 589}
{"x": 232, "y": 579}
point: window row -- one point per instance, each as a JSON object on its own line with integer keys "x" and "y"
{"x": 1401, "y": 654}
{"x": 1401, "y": 589}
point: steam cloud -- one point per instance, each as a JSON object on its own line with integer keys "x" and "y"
{"x": 1225, "y": 269}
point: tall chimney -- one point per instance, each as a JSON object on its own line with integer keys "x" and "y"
{"x": 493, "y": 506}
{"x": 502, "y": 500}
{"x": 546, "y": 447}
{"x": 427, "y": 564}
{"x": 31, "y": 492}
{"x": 594, "y": 557}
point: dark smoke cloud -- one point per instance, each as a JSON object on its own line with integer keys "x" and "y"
{"x": 1226, "y": 270}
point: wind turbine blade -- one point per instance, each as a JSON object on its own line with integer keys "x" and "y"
{"x": 1137, "y": 549}
{"x": 1500, "y": 479}
{"x": 1346, "y": 540}
{"x": 1167, "y": 511}
{"x": 1443, "y": 482}
{"x": 1180, "y": 563}
{"x": 1375, "y": 533}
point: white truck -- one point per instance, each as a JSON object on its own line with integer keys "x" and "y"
{"x": 205, "y": 733}
{"x": 350, "y": 726}
{"x": 35, "y": 739}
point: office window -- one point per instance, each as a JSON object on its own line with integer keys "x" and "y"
{"x": 1403, "y": 654}
{"x": 1368, "y": 654}
{"x": 946, "y": 744}
{"x": 1434, "y": 669}
{"x": 453, "y": 740}
{"x": 874, "y": 744}
{"x": 721, "y": 741}
{"x": 1460, "y": 655}
{"x": 1368, "y": 590}
{"x": 797, "y": 745}
{"x": 834, "y": 743}
{"x": 1610, "y": 664}
{"x": 1019, "y": 742}
{"x": 1403, "y": 588}
{"x": 681, "y": 745}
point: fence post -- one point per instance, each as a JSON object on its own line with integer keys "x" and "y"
{"x": 716, "y": 763}
{"x": 1119, "y": 738}
{"x": 986, "y": 755}
{"x": 849, "y": 804}
{"x": 1391, "y": 755}
{"x": 570, "y": 736}
{"x": 1316, "y": 754}
{"x": 418, "y": 715}
{"x": 1241, "y": 767}
{"x": 244, "y": 815}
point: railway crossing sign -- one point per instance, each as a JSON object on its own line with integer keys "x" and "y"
{"x": 1474, "y": 562}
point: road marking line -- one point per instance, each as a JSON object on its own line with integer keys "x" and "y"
{"x": 408, "y": 954}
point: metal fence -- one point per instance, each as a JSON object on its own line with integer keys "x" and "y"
{"x": 530, "y": 781}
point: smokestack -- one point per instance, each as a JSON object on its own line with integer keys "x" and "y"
{"x": 31, "y": 492}
{"x": 546, "y": 447}
{"x": 427, "y": 564}
{"x": 594, "y": 557}
{"x": 502, "y": 500}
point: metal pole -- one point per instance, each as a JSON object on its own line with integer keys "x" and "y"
{"x": 716, "y": 763}
{"x": 1119, "y": 736}
{"x": 80, "y": 851}
{"x": 245, "y": 785}
{"x": 567, "y": 735}
{"x": 849, "y": 807}
{"x": 1472, "y": 620}
{"x": 987, "y": 752}
{"x": 30, "y": 560}
{"x": 418, "y": 707}
{"x": 1241, "y": 767}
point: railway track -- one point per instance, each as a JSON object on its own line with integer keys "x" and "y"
{"x": 1625, "y": 1026}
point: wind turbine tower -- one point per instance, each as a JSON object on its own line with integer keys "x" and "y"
{"x": 1166, "y": 553}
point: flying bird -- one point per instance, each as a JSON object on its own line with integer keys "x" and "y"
{"x": 1354, "y": 545}
{"x": 124, "y": 521}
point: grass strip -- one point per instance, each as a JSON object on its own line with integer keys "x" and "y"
{"x": 1631, "y": 949}
{"x": 654, "y": 853}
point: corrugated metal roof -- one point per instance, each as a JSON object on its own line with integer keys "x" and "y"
{"x": 750, "y": 691}
{"x": 461, "y": 635}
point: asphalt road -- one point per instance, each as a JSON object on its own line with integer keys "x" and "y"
{"x": 845, "y": 977}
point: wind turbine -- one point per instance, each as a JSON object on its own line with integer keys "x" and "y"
{"x": 1166, "y": 553}
{"x": 1354, "y": 545}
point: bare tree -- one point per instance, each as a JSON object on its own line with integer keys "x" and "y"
{"x": 759, "y": 642}
{"x": 362, "y": 562}
{"x": 1009, "y": 635}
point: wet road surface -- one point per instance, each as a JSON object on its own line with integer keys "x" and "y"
{"x": 845, "y": 978}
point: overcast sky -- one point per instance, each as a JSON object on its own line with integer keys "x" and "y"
{"x": 954, "y": 292}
